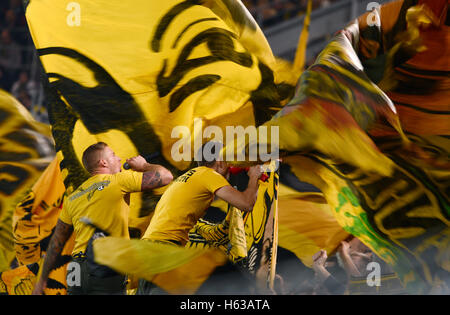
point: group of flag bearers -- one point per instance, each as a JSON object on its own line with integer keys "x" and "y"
{"x": 367, "y": 124}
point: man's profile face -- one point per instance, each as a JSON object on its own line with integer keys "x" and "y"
{"x": 112, "y": 160}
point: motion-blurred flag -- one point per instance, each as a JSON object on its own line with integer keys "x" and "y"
{"x": 19, "y": 281}
{"x": 34, "y": 221}
{"x": 385, "y": 181}
{"x": 306, "y": 224}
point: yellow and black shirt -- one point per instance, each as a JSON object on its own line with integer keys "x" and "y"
{"x": 183, "y": 203}
{"x": 101, "y": 200}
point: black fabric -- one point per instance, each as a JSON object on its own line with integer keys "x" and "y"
{"x": 333, "y": 286}
{"x": 93, "y": 285}
{"x": 93, "y": 268}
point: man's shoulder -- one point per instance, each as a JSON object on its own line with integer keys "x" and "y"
{"x": 199, "y": 171}
{"x": 93, "y": 183}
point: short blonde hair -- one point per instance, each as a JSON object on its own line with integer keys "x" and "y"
{"x": 90, "y": 156}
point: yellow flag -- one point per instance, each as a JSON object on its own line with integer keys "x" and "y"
{"x": 26, "y": 148}
{"x": 238, "y": 244}
{"x": 307, "y": 224}
{"x": 34, "y": 221}
{"x": 343, "y": 134}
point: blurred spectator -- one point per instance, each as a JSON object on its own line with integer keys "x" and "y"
{"x": 279, "y": 286}
{"x": 25, "y": 99}
{"x": 266, "y": 13}
{"x": 25, "y": 84}
{"x": 9, "y": 19}
{"x": 4, "y": 80}
{"x": 10, "y": 55}
{"x": 328, "y": 282}
{"x": 355, "y": 258}
{"x": 17, "y": 7}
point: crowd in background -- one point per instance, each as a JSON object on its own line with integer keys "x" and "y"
{"x": 16, "y": 59}
{"x": 270, "y": 12}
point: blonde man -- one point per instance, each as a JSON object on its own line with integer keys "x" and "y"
{"x": 103, "y": 201}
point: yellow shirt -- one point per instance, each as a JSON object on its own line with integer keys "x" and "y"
{"x": 183, "y": 203}
{"x": 101, "y": 199}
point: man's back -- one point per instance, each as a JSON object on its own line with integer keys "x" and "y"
{"x": 183, "y": 203}
{"x": 101, "y": 200}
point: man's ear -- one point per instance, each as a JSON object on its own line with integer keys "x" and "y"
{"x": 102, "y": 163}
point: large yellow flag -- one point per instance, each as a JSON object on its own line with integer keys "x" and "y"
{"x": 136, "y": 75}
{"x": 306, "y": 224}
{"x": 26, "y": 148}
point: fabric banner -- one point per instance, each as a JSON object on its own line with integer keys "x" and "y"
{"x": 26, "y": 149}
{"x": 33, "y": 223}
{"x": 343, "y": 134}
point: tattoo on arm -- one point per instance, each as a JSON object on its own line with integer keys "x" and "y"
{"x": 62, "y": 233}
{"x": 150, "y": 180}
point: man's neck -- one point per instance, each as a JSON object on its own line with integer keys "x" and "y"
{"x": 101, "y": 171}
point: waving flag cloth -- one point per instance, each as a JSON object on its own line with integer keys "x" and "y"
{"x": 34, "y": 221}
{"x": 306, "y": 224}
{"x": 128, "y": 73}
{"x": 342, "y": 133}
{"x": 26, "y": 148}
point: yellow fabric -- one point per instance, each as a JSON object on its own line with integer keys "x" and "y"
{"x": 229, "y": 235}
{"x": 19, "y": 281}
{"x": 300, "y": 55}
{"x": 206, "y": 234}
{"x": 33, "y": 222}
{"x": 189, "y": 277}
{"x": 183, "y": 203}
{"x": 306, "y": 224}
{"x": 185, "y": 60}
{"x": 36, "y": 215}
{"x": 260, "y": 231}
{"x": 26, "y": 148}
{"x": 388, "y": 190}
{"x": 101, "y": 200}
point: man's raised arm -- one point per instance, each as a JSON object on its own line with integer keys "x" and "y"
{"x": 242, "y": 200}
{"x": 154, "y": 175}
